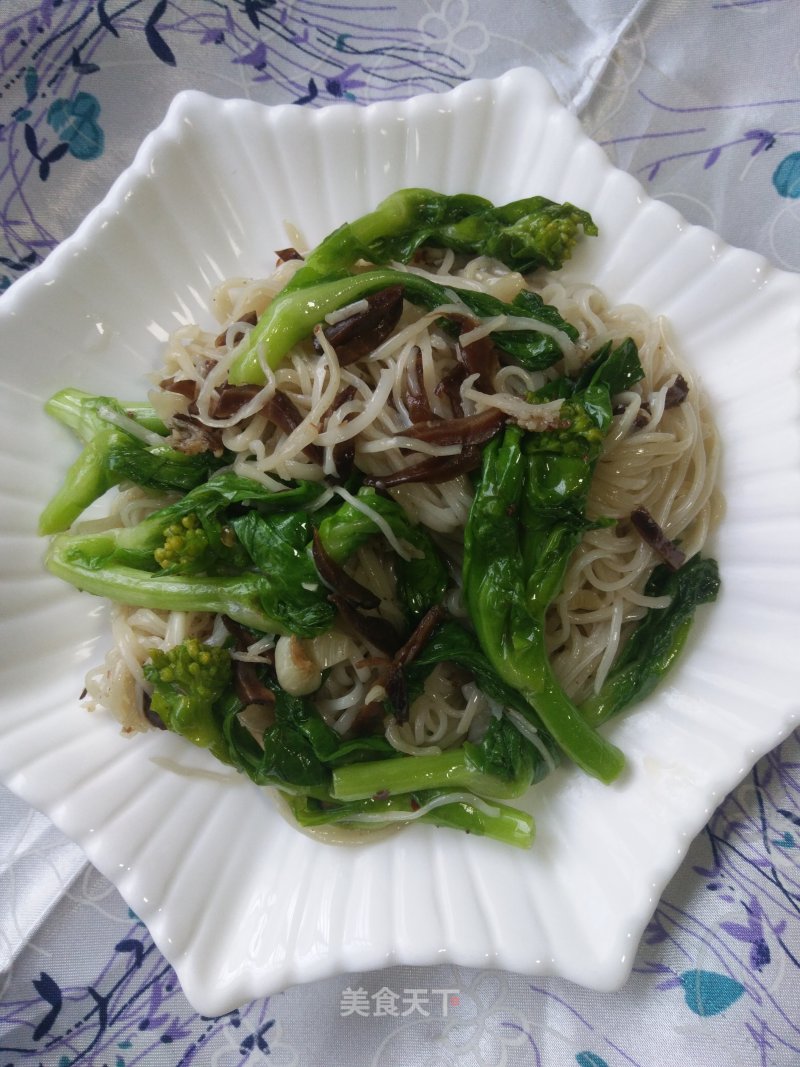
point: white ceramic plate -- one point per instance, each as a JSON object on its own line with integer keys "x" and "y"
{"x": 239, "y": 902}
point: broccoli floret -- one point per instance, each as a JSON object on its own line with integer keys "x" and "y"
{"x": 185, "y": 546}
{"x": 582, "y": 431}
{"x": 187, "y": 681}
{"x": 526, "y": 234}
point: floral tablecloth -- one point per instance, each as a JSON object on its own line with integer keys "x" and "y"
{"x": 701, "y": 101}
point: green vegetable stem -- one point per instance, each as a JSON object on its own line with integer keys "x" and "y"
{"x": 499, "y": 821}
{"x": 525, "y": 234}
{"x": 112, "y": 455}
{"x": 501, "y": 766}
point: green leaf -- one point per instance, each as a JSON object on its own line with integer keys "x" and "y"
{"x": 422, "y": 580}
{"x": 655, "y": 644}
{"x": 293, "y": 592}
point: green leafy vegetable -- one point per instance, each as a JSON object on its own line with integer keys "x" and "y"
{"x": 229, "y": 546}
{"x": 617, "y": 368}
{"x": 286, "y": 756}
{"x": 527, "y": 517}
{"x": 654, "y": 645}
{"x": 298, "y": 750}
{"x": 207, "y": 573}
{"x": 112, "y": 455}
{"x": 500, "y": 766}
{"x": 422, "y": 579}
{"x": 503, "y": 764}
{"x": 532, "y": 349}
{"x": 277, "y": 545}
{"x": 293, "y": 314}
{"x": 525, "y": 234}
{"x": 87, "y": 413}
{"x": 452, "y": 643}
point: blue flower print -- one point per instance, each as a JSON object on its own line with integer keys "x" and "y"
{"x": 76, "y": 123}
{"x": 708, "y": 993}
{"x": 590, "y": 1059}
{"x": 786, "y": 178}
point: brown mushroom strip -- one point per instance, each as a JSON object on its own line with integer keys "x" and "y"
{"x": 395, "y": 684}
{"x": 652, "y": 534}
{"x": 642, "y": 415}
{"x": 191, "y": 436}
{"x": 479, "y": 357}
{"x": 420, "y": 637}
{"x": 450, "y": 386}
{"x": 286, "y": 417}
{"x": 337, "y": 578}
{"x": 363, "y": 331}
{"x": 368, "y": 721}
{"x": 285, "y": 254}
{"x": 187, "y": 387}
{"x": 677, "y": 392}
{"x": 152, "y": 716}
{"x": 433, "y": 471}
{"x": 250, "y": 317}
{"x": 230, "y": 398}
{"x": 416, "y": 399}
{"x": 243, "y": 638}
{"x": 397, "y": 693}
{"x": 344, "y": 458}
{"x": 344, "y": 396}
{"x": 281, "y": 410}
{"x": 377, "y": 631}
{"x": 470, "y": 430}
{"x": 248, "y": 686}
{"x": 343, "y": 454}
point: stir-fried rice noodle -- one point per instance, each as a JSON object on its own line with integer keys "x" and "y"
{"x": 662, "y": 458}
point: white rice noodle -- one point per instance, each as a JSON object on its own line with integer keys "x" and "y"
{"x": 402, "y": 548}
{"x": 356, "y": 308}
{"x": 528, "y": 730}
{"x": 131, "y": 426}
